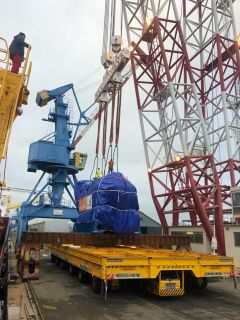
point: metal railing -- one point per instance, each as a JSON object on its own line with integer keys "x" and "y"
{"x": 4, "y": 63}
{"x": 4, "y": 55}
{"x": 24, "y": 79}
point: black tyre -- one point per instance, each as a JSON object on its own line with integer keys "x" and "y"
{"x": 57, "y": 261}
{"x": 73, "y": 270}
{"x": 190, "y": 281}
{"x": 83, "y": 276}
{"x": 202, "y": 283}
{"x": 96, "y": 285}
{"x": 63, "y": 264}
{"x": 53, "y": 257}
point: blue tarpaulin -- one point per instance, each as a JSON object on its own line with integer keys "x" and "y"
{"x": 114, "y": 203}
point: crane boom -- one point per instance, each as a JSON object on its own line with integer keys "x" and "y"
{"x": 13, "y": 94}
{"x": 186, "y": 90}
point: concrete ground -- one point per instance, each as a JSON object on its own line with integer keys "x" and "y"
{"x": 61, "y": 296}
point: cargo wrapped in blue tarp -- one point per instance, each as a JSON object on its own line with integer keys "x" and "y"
{"x": 110, "y": 201}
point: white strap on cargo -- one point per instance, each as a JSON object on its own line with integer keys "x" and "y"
{"x": 105, "y": 205}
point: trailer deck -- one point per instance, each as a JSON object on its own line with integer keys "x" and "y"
{"x": 136, "y": 262}
{"x": 165, "y": 269}
{"x": 164, "y": 265}
{"x": 60, "y": 296}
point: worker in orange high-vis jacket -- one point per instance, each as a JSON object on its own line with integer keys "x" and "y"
{"x": 16, "y": 51}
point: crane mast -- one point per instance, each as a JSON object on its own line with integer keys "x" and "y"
{"x": 186, "y": 64}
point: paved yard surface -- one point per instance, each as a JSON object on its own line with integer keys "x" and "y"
{"x": 60, "y": 296}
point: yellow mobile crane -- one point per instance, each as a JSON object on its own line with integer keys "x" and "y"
{"x": 13, "y": 94}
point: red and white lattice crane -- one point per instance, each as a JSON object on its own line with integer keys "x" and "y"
{"x": 186, "y": 66}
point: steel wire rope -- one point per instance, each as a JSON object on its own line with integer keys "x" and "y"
{"x": 89, "y": 86}
{"x": 119, "y": 102}
{"x": 84, "y": 91}
{"x": 112, "y": 123}
{"x": 112, "y": 30}
{"x": 103, "y": 165}
{"x": 117, "y": 127}
{"x": 110, "y": 149}
{"x": 94, "y": 162}
{"x": 104, "y": 138}
{"x": 112, "y": 114}
{"x": 99, "y": 129}
{"x": 126, "y": 76}
{"x": 88, "y": 76}
{"x": 98, "y": 140}
{"x": 115, "y": 151}
{"x": 106, "y": 160}
{"x": 118, "y": 115}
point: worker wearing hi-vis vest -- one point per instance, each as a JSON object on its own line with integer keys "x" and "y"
{"x": 98, "y": 173}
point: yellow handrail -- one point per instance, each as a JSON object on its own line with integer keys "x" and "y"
{"x": 6, "y": 61}
{"x": 5, "y": 50}
{"x": 28, "y": 74}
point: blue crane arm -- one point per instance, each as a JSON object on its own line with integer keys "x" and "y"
{"x": 45, "y": 96}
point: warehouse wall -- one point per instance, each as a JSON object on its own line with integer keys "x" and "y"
{"x": 51, "y": 225}
{"x": 232, "y": 239}
{"x": 233, "y": 246}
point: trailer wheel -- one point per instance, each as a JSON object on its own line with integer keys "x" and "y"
{"x": 202, "y": 283}
{"x": 72, "y": 270}
{"x": 83, "y": 276}
{"x": 57, "y": 261}
{"x": 63, "y": 264}
{"x": 53, "y": 257}
{"x": 96, "y": 285}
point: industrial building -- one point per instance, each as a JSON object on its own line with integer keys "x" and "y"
{"x": 147, "y": 225}
{"x": 200, "y": 243}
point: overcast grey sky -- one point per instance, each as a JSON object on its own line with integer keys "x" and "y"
{"x": 66, "y": 39}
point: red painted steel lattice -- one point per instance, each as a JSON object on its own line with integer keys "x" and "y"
{"x": 185, "y": 73}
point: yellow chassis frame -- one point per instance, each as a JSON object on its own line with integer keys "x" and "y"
{"x": 125, "y": 262}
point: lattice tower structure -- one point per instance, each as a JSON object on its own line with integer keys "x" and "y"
{"x": 186, "y": 64}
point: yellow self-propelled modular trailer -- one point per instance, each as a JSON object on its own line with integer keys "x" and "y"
{"x": 163, "y": 272}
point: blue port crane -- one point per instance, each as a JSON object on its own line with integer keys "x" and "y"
{"x": 54, "y": 155}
